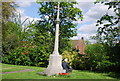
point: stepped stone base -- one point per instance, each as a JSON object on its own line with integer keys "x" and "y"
{"x": 55, "y": 66}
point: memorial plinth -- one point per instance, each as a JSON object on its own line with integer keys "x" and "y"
{"x": 55, "y": 65}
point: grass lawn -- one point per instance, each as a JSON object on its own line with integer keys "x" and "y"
{"x": 76, "y": 74}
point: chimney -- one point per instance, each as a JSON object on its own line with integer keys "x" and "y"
{"x": 82, "y": 38}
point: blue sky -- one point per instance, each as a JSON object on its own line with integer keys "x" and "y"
{"x": 32, "y": 10}
{"x": 86, "y": 28}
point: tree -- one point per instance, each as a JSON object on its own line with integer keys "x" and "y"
{"x": 46, "y": 26}
{"x": 108, "y": 33}
{"x": 8, "y": 10}
{"x": 8, "y": 27}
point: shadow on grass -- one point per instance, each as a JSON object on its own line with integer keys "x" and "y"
{"x": 110, "y": 74}
{"x": 114, "y": 75}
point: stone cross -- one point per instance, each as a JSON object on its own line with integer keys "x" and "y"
{"x": 55, "y": 60}
{"x": 56, "y": 44}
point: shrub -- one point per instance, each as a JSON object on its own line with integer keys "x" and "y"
{"x": 76, "y": 60}
{"x": 97, "y": 58}
{"x": 23, "y": 55}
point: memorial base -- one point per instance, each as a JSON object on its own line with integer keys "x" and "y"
{"x": 55, "y": 65}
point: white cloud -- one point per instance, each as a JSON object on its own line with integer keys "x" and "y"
{"x": 24, "y": 3}
{"x": 88, "y": 28}
{"x": 86, "y": 31}
{"x": 24, "y": 16}
{"x": 30, "y": 19}
{"x": 97, "y": 11}
{"x": 20, "y": 11}
{"x": 86, "y": 37}
{"x": 84, "y": 5}
{"x": 93, "y": 12}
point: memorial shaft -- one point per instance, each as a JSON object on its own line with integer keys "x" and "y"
{"x": 56, "y": 44}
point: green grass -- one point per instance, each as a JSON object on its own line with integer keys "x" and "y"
{"x": 76, "y": 74}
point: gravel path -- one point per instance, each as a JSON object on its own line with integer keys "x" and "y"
{"x": 26, "y": 70}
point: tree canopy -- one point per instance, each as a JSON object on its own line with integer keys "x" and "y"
{"x": 108, "y": 33}
{"x": 109, "y": 25}
{"x": 8, "y": 10}
{"x": 46, "y": 26}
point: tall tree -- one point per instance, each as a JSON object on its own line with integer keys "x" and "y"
{"x": 109, "y": 25}
{"x": 8, "y": 27}
{"x": 8, "y": 10}
{"x": 109, "y": 33}
{"x": 46, "y": 26}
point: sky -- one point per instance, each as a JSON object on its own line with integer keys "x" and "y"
{"x": 86, "y": 28}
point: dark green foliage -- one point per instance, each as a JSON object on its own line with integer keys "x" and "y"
{"x": 79, "y": 62}
{"x": 114, "y": 54}
{"x": 27, "y": 54}
{"x": 102, "y": 57}
{"x": 109, "y": 34}
{"x": 97, "y": 58}
{"x": 10, "y": 36}
{"x": 19, "y": 47}
{"x": 46, "y": 26}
